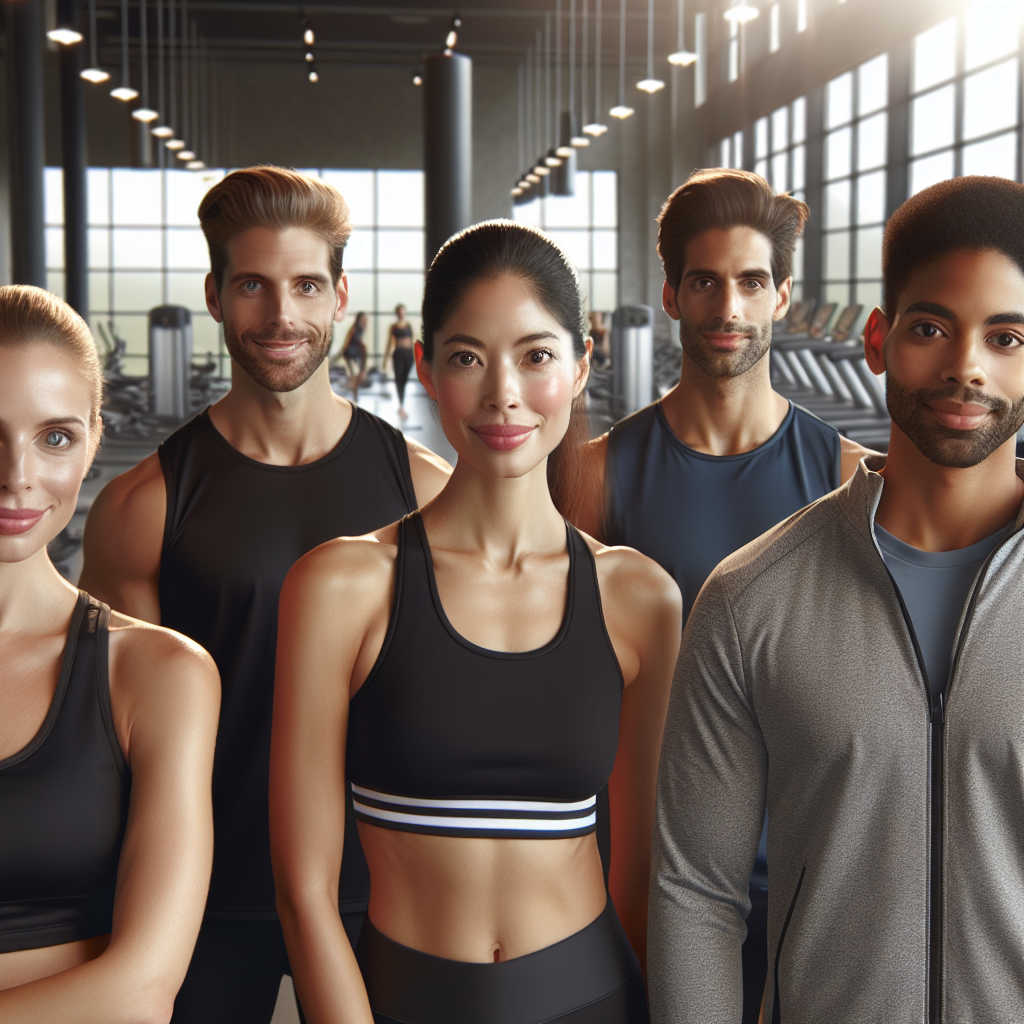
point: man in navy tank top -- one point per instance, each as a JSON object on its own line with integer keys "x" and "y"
{"x": 199, "y": 537}
{"x": 722, "y": 457}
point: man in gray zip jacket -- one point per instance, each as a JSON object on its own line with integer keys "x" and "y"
{"x": 859, "y": 670}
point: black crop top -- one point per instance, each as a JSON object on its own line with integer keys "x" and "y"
{"x": 64, "y": 804}
{"x": 448, "y": 738}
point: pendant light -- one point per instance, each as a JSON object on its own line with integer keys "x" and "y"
{"x": 124, "y": 91}
{"x": 575, "y": 138}
{"x": 162, "y": 130}
{"x": 741, "y": 13}
{"x": 620, "y": 110}
{"x": 145, "y": 113}
{"x": 173, "y": 143}
{"x": 650, "y": 83}
{"x": 94, "y": 73}
{"x": 682, "y": 56}
{"x": 595, "y": 128}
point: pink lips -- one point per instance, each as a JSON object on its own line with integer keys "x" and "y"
{"x": 503, "y": 437}
{"x": 19, "y": 520}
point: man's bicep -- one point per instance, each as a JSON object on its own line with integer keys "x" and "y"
{"x": 123, "y": 542}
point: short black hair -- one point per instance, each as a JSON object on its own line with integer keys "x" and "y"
{"x": 972, "y": 212}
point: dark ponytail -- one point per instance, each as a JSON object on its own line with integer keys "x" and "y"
{"x": 495, "y": 249}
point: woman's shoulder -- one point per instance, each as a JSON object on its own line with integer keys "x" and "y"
{"x": 626, "y": 576}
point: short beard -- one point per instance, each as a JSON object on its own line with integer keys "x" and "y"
{"x": 719, "y": 365}
{"x": 276, "y": 376}
{"x": 957, "y": 449}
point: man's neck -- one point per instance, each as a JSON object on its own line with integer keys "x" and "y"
{"x": 937, "y": 508}
{"x": 282, "y": 428}
{"x": 724, "y": 415}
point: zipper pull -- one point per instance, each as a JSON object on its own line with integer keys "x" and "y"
{"x": 938, "y": 708}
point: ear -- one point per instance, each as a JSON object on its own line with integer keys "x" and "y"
{"x": 341, "y": 292}
{"x": 583, "y": 369}
{"x": 213, "y": 299}
{"x": 876, "y": 330}
{"x": 782, "y": 299}
{"x": 423, "y": 369}
{"x": 669, "y": 301}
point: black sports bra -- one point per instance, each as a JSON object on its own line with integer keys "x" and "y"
{"x": 448, "y": 738}
{"x": 64, "y": 804}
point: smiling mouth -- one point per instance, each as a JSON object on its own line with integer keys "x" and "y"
{"x": 503, "y": 437}
{"x": 14, "y": 521}
{"x": 277, "y": 347}
{"x": 959, "y": 415}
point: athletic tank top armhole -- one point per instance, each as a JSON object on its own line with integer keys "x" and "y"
{"x": 67, "y": 662}
{"x": 171, "y": 490}
{"x": 393, "y": 616}
{"x": 100, "y": 626}
{"x": 405, "y": 467}
{"x": 600, "y": 604}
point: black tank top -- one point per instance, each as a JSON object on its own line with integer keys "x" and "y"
{"x": 235, "y": 527}
{"x": 64, "y": 804}
{"x": 448, "y": 738}
{"x": 688, "y": 510}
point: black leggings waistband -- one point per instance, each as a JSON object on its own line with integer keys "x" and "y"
{"x": 591, "y": 977}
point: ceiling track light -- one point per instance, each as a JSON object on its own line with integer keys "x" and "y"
{"x": 621, "y": 110}
{"x": 533, "y": 178}
{"x": 162, "y": 131}
{"x": 195, "y": 165}
{"x": 65, "y": 36}
{"x": 579, "y": 141}
{"x": 741, "y": 13}
{"x": 682, "y": 57}
{"x": 452, "y": 38}
{"x": 145, "y": 114}
{"x": 313, "y": 76}
{"x": 186, "y": 155}
{"x": 595, "y": 129}
{"x": 94, "y": 73}
{"x": 174, "y": 144}
{"x": 308, "y": 38}
{"x": 553, "y": 161}
{"x": 650, "y": 84}
{"x": 124, "y": 91}
{"x": 541, "y": 170}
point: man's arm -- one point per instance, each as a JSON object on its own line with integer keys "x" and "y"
{"x": 588, "y": 514}
{"x": 123, "y": 541}
{"x": 429, "y": 472}
{"x": 850, "y": 455}
{"x": 711, "y": 797}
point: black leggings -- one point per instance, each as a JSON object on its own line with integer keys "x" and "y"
{"x": 402, "y": 361}
{"x": 236, "y": 970}
{"x": 591, "y": 977}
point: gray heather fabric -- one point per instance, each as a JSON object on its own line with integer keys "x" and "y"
{"x": 797, "y": 685}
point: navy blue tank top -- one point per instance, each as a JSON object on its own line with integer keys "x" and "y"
{"x": 449, "y": 738}
{"x": 234, "y": 528}
{"x": 64, "y": 804}
{"x": 688, "y": 510}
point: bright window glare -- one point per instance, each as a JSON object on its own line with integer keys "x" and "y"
{"x": 990, "y": 100}
{"x": 400, "y": 199}
{"x": 838, "y": 153}
{"x": 872, "y": 138}
{"x": 992, "y": 32}
{"x": 780, "y": 129}
{"x": 932, "y": 120}
{"x": 873, "y": 85}
{"x": 839, "y": 104}
{"x": 761, "y": 137}
{"x": 996, "y": 156}
{"x": 935, "y": 55}
{"x": 930, "y": 171}
{"x": 871, "y": 198}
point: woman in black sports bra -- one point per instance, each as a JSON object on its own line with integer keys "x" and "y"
{"x": 471, "y": 680}
{"x": 107, "y": 725}
{"x": 400, "y": 350}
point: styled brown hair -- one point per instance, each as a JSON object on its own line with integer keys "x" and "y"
{"x": 724, "y": 198}
{"x": 29, "y": 314}
{"x": 272, "y": 197}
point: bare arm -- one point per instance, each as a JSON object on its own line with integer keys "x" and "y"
{"x": 588, "y": 515}
{"x": 429, "y": 472}
{"x": 123, "y": 541}
{"x": 165, "y": 696}
{"x": 333, "y": 615}
{"x": 850, "y": 455}
{"x": 643, "y": 612}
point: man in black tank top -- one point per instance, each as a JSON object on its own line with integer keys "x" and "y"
{"x": 200, "y": 536}
{"x": 722, "y": 457}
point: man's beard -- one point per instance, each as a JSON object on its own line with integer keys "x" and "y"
{"x": 718, "y": 365}
{"x": 279, "y": 376}
{"x": 958, "y": 449}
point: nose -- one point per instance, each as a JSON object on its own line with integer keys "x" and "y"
{"x": 730, "y": 302}
{"x": 503, "y": 387}
{"x": 283, "y": 306}
{"x": 964, "y": 365}
{"x": 14, "y": 468}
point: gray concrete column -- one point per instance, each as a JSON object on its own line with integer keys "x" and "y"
{"x": 72, "y": 130}
{"x": 447, "y": 147}
{"x": 24, "y": 20}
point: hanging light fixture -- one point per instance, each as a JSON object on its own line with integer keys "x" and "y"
{"x": 313, "y": 76}
{"x": 595, "y": 128}
{"x": 417, "y": 79}
{"x": 620, "y": 110}
{"x": 124, "y": 91}
{"x": 576, "y": 140}
{"x": 174, "y": 144}
{"x": 186, "y": 155}
{"x": 65, "y": 36}
{"x": 195, "y": 165}
{"x": 94, "y": 73}
{"x": 308, "y": 38}
{"x": 682, "y": 57}
{"x": 162, "y": 130}
{"x": 741, "y": 13}
{"x": 650, "y": 83}
{"x": 145, "y": 113}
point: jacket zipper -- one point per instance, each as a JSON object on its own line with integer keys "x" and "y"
{"x": 937, "y": 703}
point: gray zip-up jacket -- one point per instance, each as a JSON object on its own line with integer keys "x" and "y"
{"x": 896, "y": 821}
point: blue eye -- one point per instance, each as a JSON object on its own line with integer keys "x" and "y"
{"x": 57, "y": 439}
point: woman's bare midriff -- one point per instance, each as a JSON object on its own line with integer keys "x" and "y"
{"x": 25, "y": 965}
{"x": 481, "y": 900}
